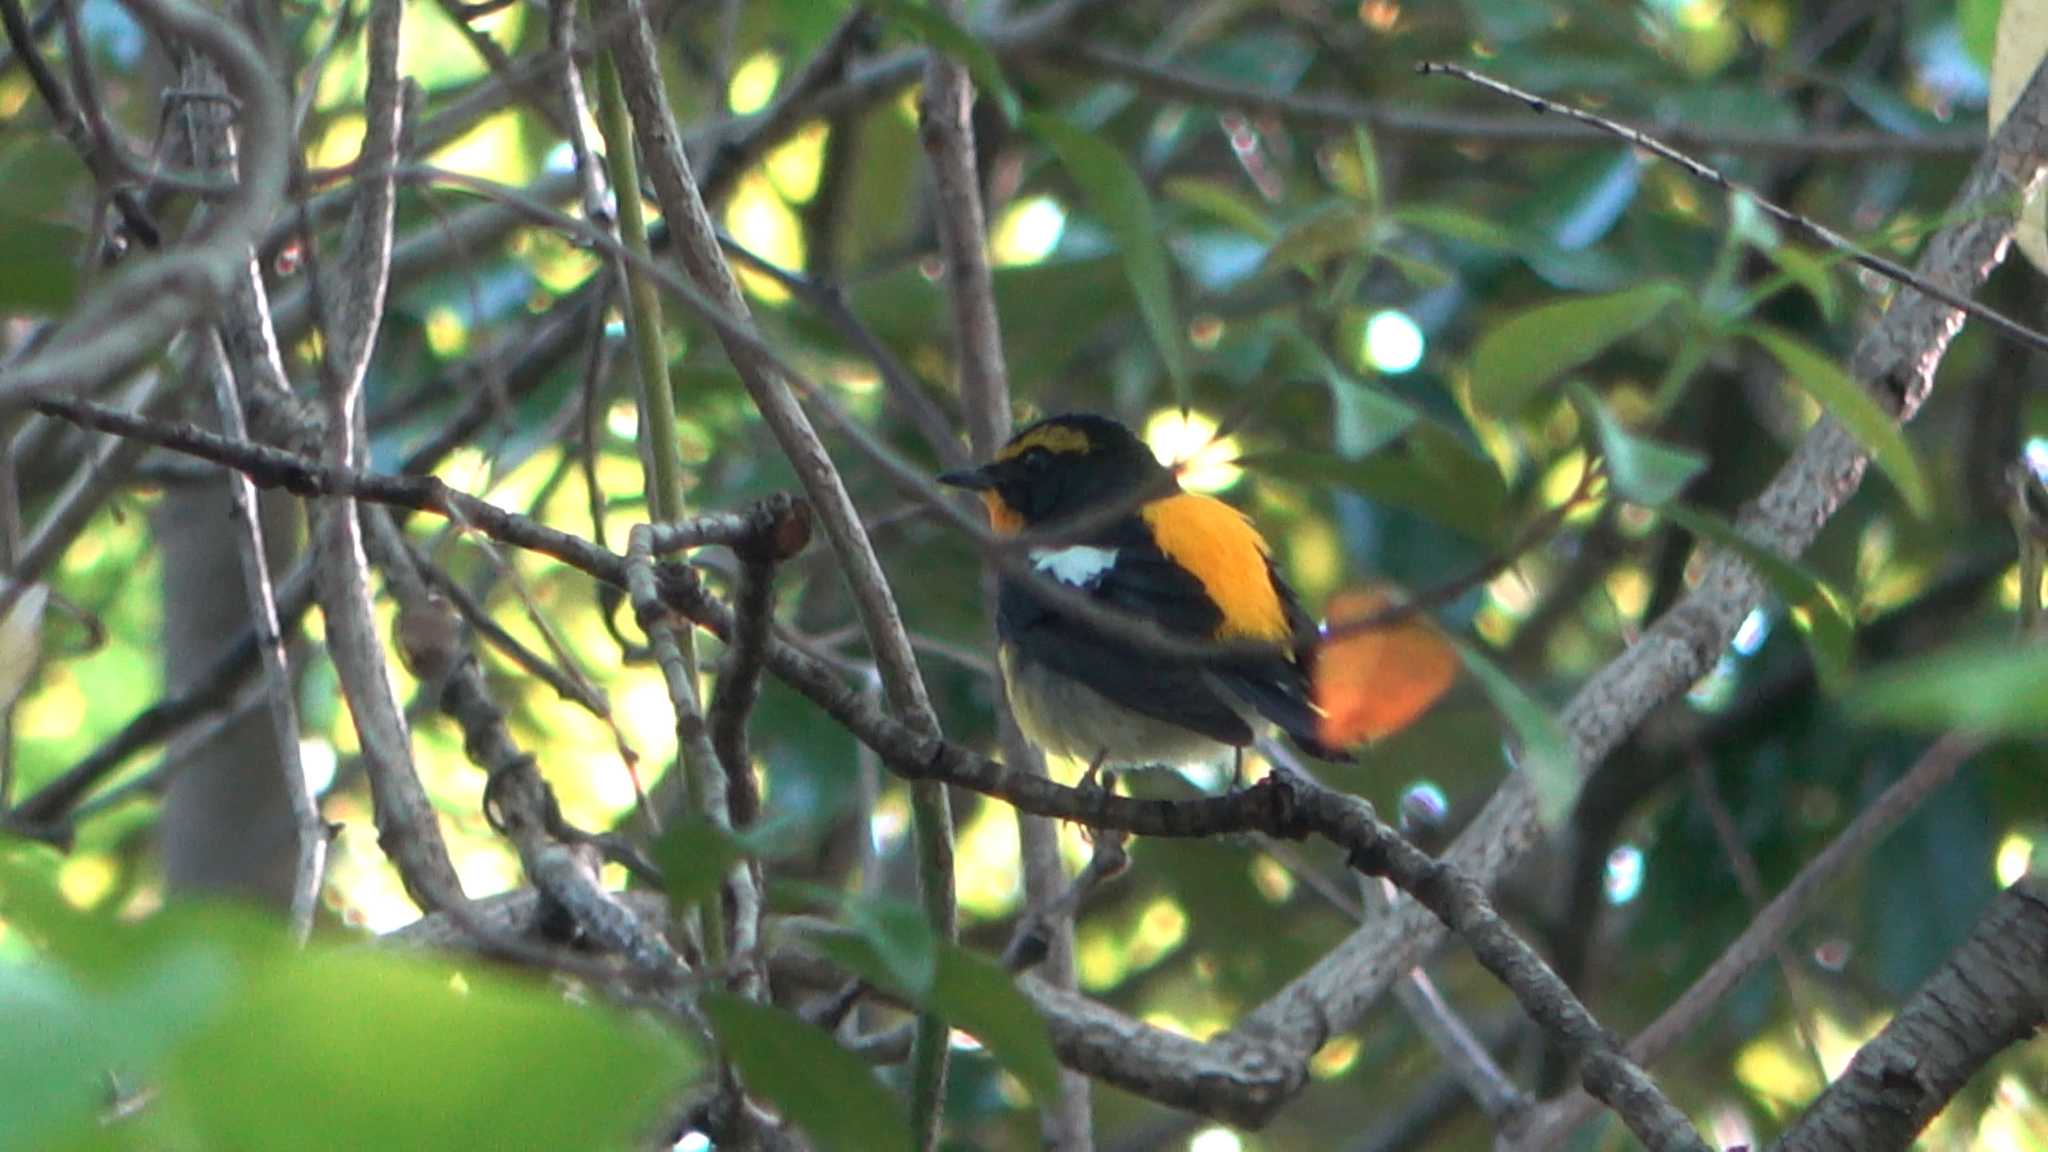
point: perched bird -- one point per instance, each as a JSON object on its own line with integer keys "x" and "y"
{"x": 1191, "y": 564}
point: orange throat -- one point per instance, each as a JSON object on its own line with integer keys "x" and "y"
{"x": 1002, "y": 518}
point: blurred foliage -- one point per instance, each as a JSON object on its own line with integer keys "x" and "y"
{"x": 1415, "y": 343}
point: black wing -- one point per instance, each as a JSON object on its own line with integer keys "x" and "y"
{"x": 1202, "y": 697}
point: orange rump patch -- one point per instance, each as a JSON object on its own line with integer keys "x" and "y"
{"x": 1372, "y": 684}
{"x": 1220, "y": 547}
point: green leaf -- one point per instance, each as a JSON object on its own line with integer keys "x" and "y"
{"x": 1368, "y": 166}
{"x": 827, "y": 1090}
{"x": 1830, "y": 629}
{"x": 1996, "y": 688}
{"x": 975, "y": 995}
{"x": 971, "y": 992}
{"x": 352, "y": 1050}
{"x": 51, "y": 1066}
{"x": 1844, "y": 399}
{"x": 1642, "y": 469}
{"x": 1546, "y": 753}
{"x": 1421, "y": 273}
{"x": 1329, "y": 230}
{"x": 1532, "y": 348}
{"x": 42, "y": 174}
{"x": 1116, "y": 194}
{"x": 902, "y": 939}
{"x": 1222, "y": 202}
{"x": 1367, "y": 418}
{"x": 1811, "y": 273}
{"x": 695, "y": 857}
{"x": 1978, "y": 22}
{"x": 1430, "y": 473}
{"x": 935, "y": 29}
{"x": 64, "y": 1038}
{"x": 1446, "y": 222}
{"x": 38, "y": 265}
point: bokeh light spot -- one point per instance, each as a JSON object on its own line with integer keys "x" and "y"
{"x": 753, "y": 83}
{"x": 1028, "y": 232}
{"x": 1188, "y": 441}
{"x": 2015, "y": 856}
{"x": 1393, "y": 342}
{"x": 1624, "y": 874}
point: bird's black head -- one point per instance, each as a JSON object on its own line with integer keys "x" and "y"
{"x": 1060, "y": 466}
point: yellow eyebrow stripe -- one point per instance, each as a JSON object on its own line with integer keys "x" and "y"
{"x": 1052, "y": 438}
{"x": 1219, "y": 546}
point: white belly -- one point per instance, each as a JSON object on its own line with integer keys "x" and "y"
{"x": 1066, "y": 718}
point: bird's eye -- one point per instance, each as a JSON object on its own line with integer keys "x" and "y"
{"x": 1036, "y": 459}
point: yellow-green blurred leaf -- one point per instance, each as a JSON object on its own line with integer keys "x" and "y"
{"x": 1842, "y": 397}
{"x": 1116, "y": 194}
{"x": 1517, "y": 358}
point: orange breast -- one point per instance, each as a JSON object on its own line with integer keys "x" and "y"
{"x": 1220, "y": 547}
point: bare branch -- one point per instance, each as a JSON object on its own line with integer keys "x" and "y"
{"x": 278, "y": 687}
{"x": 1895, "y": 359}
{"x": 131, "y": 317}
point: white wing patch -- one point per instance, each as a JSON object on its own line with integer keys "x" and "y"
{"x": 1077, "y": 564}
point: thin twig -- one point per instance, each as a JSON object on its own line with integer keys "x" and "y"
{"x": 1399, "y": 118}
{"x": 706, "y": 783}
{"x": 1555, "y": 1121}
{"x": 1750, "y": 883}
{"x": 1820, "y": 233}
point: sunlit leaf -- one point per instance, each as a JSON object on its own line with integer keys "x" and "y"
{"x": 1641, "y": 469}
{"x": 827, "y": 1090}
{"x": 1978, "y": 21}
{"x": 1997, "y": 688}
{"x": 1835, "y": 391}
{"x": 1116, "y": 194}
{"x": 1531, "y": 349}
{"x": 1373, "y": 683}
{"x": 1830, "y": 629}
{"x": 1545, "y": 755}
{"x": 352, "y": 1049}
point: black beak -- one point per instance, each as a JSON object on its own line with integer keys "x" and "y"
{"x": 972, "y": 479}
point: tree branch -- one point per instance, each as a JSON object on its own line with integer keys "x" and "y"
{"x": 1992, "y": 993}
